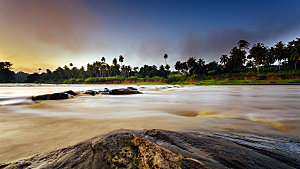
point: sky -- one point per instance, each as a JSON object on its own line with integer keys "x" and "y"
{"x": 47, "y": 34}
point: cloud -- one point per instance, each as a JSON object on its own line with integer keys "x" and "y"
{"x": 60, "y": 23}
{"x": 37, "y": 32}
{"x": 217, "y": 42}
{"x": 65, "y": 24}
{"x": 152, "y": 50}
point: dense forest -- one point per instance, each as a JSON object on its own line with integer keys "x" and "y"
{"x": 256, "y": 60}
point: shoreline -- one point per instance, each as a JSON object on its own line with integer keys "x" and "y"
{"x": 197, "y": 83}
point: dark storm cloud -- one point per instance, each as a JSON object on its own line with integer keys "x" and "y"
{"x": 217, "y": 42}
{"x": 151, "y": 50}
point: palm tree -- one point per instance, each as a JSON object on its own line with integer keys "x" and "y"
{"x": 114, "y": 62}
{"x": 167, "y": 67}
{"x": 178, "y": 66}
{"x": 103, "y": 59}
{"x": 60, "y": 72}
{"x": 279, "y": 52}
{"x": 191, "y": 64}
{"x": 102, "y": 68}
{"x": 224, "y": 59}
{"x": 294, "y": 48}
{"x": 107, "y": 68}
{"x": 136, "y": 68}
{"x": 184, "y": 67}
{"x": 121, "y": 59}
{"x": 270, "y": 57}
{"x": 242, "y": 44}
{"x": 200, "y": 67}
{"x": 166, "y": 57}
{"x": 295, "y": 57}
{"x": 258, "y": 53}
{"x": 81, "y": 72}
{"x": 71, "y": 71}
{"x": 238, "y": 57}
{"x": 89, "y": 70}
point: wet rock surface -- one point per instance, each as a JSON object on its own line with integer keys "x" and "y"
{"x": 91, "y": 92}
{"x": 123, "y": 91}
{"x": 54, "y": 96}
{"x": 159, "y": 149}
{"x": 67, "y": 94}
{"x": 71, "y": 93}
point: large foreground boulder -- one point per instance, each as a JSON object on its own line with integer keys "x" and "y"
{"x": 158, "y": 149}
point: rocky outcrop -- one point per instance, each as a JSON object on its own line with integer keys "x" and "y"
{"x": 131, "y": 88}
{"x": 124, "y": 91}
{"x": 91, "y": 92}
{"x": 158, "y": 149}
{"x": 71, "y": 93}
{"x": 54, "y": 96}
{"x": 67, "y": 94}
{"x": 121, "y": 91}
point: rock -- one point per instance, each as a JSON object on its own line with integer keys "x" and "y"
{"x": 54, "y": 96}
{"x": 158, "y": 149}
{"x": 71, "y": 93}
{"x": 91, "y": 92}
{"x": 131, "y": 88}
{"x": 123, "y": 92}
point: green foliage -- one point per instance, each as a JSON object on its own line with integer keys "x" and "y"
{"x": 134, "y": 78}
{"x": 92, "y": 80}
{"x": 157, "y": 78}
{"x": 6, "y": 75}
{"x": 236, "y": 65}
{"x": 73, "y": 81}
{"x": 248, "y": 82}
{"x": 176, "y": 78}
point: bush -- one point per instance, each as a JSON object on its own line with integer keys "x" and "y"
{"x": 157, "y": 78}
{"x": 135, "y": 78}
{"x": 176, "y": 78}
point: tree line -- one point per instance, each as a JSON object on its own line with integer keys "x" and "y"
{"x": 241, "y": 58}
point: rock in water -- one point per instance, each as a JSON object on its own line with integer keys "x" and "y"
{"x": 123, "y": 92}
{"x": 71, "y": 93}
{"x": 157, "y": 149}
{"x": 54, "y": 96}
{"x": 91, "y": 92}
{"x": 131, "y": 88}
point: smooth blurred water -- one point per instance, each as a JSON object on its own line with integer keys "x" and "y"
{"x": 260, "y": 110}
